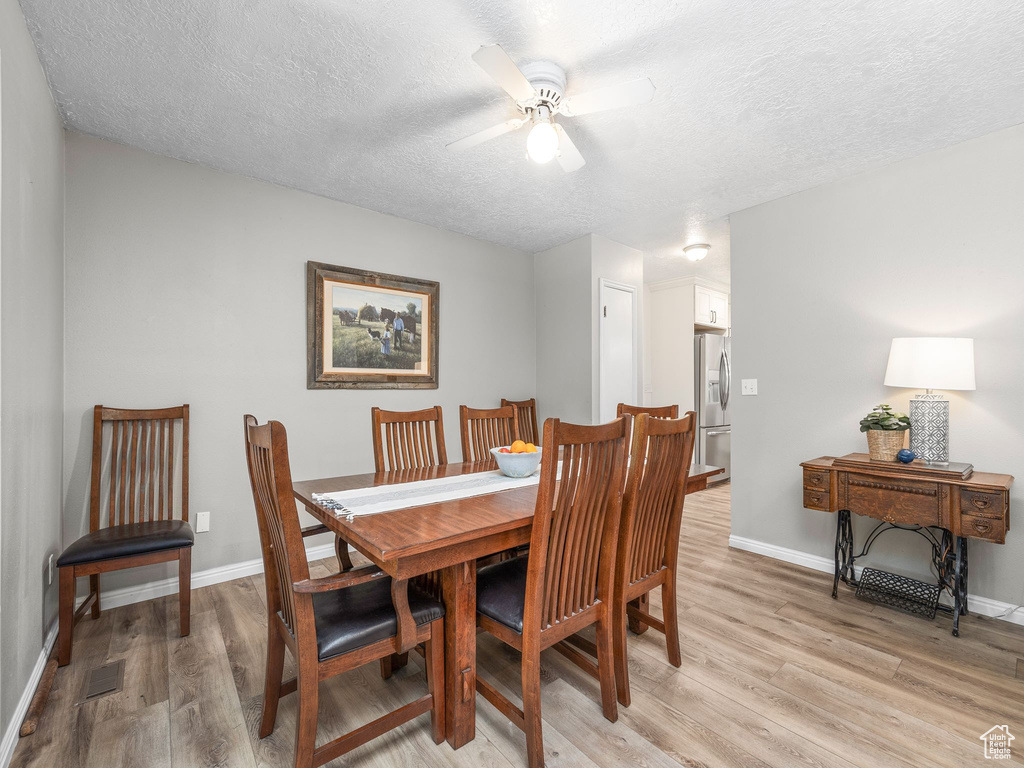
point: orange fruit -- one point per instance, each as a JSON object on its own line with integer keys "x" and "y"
{"x": 518, "y": 447}
{"x": 531, "y": 448}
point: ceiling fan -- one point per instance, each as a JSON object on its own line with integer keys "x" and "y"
{"x": 538, "y": 90}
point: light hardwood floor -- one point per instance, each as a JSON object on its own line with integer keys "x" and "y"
{"x": 775, "y": 673}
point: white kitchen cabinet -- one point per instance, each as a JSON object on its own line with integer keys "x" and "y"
{"x": 711, "y": 307}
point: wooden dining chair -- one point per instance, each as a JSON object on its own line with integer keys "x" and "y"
{"x": 654, "y": 411}
{"x": 648, "y": 546}
{"x": 527, "y": 419}
{"x": 136, "y": 517}
{"x": 408, "y": 439}
{"x": 486, "y": 428}
{"x": 334, "y": 624}
{"x": 405, "y": 440}
{"x": 565, "y": 583}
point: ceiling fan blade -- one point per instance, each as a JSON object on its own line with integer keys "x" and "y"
{"x": 610, "y": 97}
{"x": 486, "y": 135}
{"x": 496, "y": 63}
{"x": 568, "y": 156}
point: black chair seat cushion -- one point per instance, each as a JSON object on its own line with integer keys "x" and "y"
{"x": 501, "y": 592}
{"x": 350, "y": 618}
{"x": 127, "y": 540}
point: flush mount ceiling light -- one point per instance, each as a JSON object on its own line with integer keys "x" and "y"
{"x": 697, "y": 251}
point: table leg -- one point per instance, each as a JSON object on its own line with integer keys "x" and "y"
{"x": 844, "y": 550}
{"x": 959, "y": 584}
{"x": 459, "y": 587}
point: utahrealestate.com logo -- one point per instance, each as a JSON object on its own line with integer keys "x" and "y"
{"x": 997, "y": 742}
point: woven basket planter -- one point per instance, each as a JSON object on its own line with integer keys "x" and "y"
{"x": 884, "y": 444}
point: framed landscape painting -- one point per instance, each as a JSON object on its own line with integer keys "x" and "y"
{"x": 368, "y": 330}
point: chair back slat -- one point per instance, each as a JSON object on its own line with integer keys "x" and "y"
{"x": 284, "y": 558}
{"x": 527, "y": 419}
{"x": 408, "y": 439}
{"x": 662, "y": 450}
{"x": 486, "y": 428}
{"x": 135, "y": 466}
{"x": 575, "y": 528}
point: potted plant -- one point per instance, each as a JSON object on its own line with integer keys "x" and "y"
{"x": 887, "y": 432}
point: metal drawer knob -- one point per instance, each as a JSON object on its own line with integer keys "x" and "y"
{"x": 982, "y": 526}
{"x": 981, "y": 503}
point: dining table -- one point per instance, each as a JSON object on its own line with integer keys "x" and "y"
{"x": 445, "y": 538}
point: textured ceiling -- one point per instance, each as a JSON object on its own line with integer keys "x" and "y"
{"x": 355, "y": 100}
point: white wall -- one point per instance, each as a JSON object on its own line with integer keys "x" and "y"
{"x": 188, "y": 285}
{"x": 671, "y": 343}
{"x": 824, "y": 279}
{"x": 31, "y": 354}
{"x": 567, "y": 284}
{"x": 564, "y": 357}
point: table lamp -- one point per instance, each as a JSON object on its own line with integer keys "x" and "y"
{"x": 930, "y": 363}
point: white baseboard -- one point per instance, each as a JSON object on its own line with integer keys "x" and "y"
{"x": 115, "y": 598}
{"x": 10, "y": 740}
{"x": 983, "y": 606}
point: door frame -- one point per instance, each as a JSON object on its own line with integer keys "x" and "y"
{"x": 603, "y": 283}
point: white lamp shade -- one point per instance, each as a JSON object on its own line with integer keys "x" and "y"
{"x": 931, "y": 363}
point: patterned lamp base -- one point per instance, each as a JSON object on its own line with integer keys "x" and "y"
{"x": 929, "y": 428}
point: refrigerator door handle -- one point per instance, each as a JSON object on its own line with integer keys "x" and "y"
{"x": 723, "y": 379}
{"x": 722, "y": 432}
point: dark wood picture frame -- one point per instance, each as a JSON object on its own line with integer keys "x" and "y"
{"x": 317, "y": 273}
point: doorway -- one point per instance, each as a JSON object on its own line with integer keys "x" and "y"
{"x": 618, "y": 349}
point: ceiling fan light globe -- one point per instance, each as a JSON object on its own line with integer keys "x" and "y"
{"x": 542, "y": 143}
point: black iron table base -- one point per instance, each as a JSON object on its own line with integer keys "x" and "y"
{"x": 950, "y": 564}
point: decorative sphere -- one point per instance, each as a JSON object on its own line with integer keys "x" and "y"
{"x": 906, "y": 455}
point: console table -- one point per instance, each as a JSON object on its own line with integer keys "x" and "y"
{"x": 941, "y": 503}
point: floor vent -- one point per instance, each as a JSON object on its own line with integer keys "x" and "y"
{"x": 102, "y": 681}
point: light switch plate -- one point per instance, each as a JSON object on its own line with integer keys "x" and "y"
{"x": 202, "y": 522}
{"x": 748, "y": 387}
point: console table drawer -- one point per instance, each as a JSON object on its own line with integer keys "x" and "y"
{"x": 894, "y": 500}
{"x": 983, "y": 528}
{"x": 982, "y": 504}
{"x": 817, "y": 478}
{"x": 816, "y": 499}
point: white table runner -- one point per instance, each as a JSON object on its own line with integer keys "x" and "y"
{"x": 386, "y": 498}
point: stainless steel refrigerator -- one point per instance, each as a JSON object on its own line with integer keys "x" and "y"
{"x": 713, "y": 380}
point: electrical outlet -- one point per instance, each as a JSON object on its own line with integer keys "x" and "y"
{"x": 202, "y": 522}
{"x": 748, "y": 387}
{"x": 49, "y": 570}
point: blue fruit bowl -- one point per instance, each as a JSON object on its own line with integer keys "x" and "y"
{"x": 517, "y": 464}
